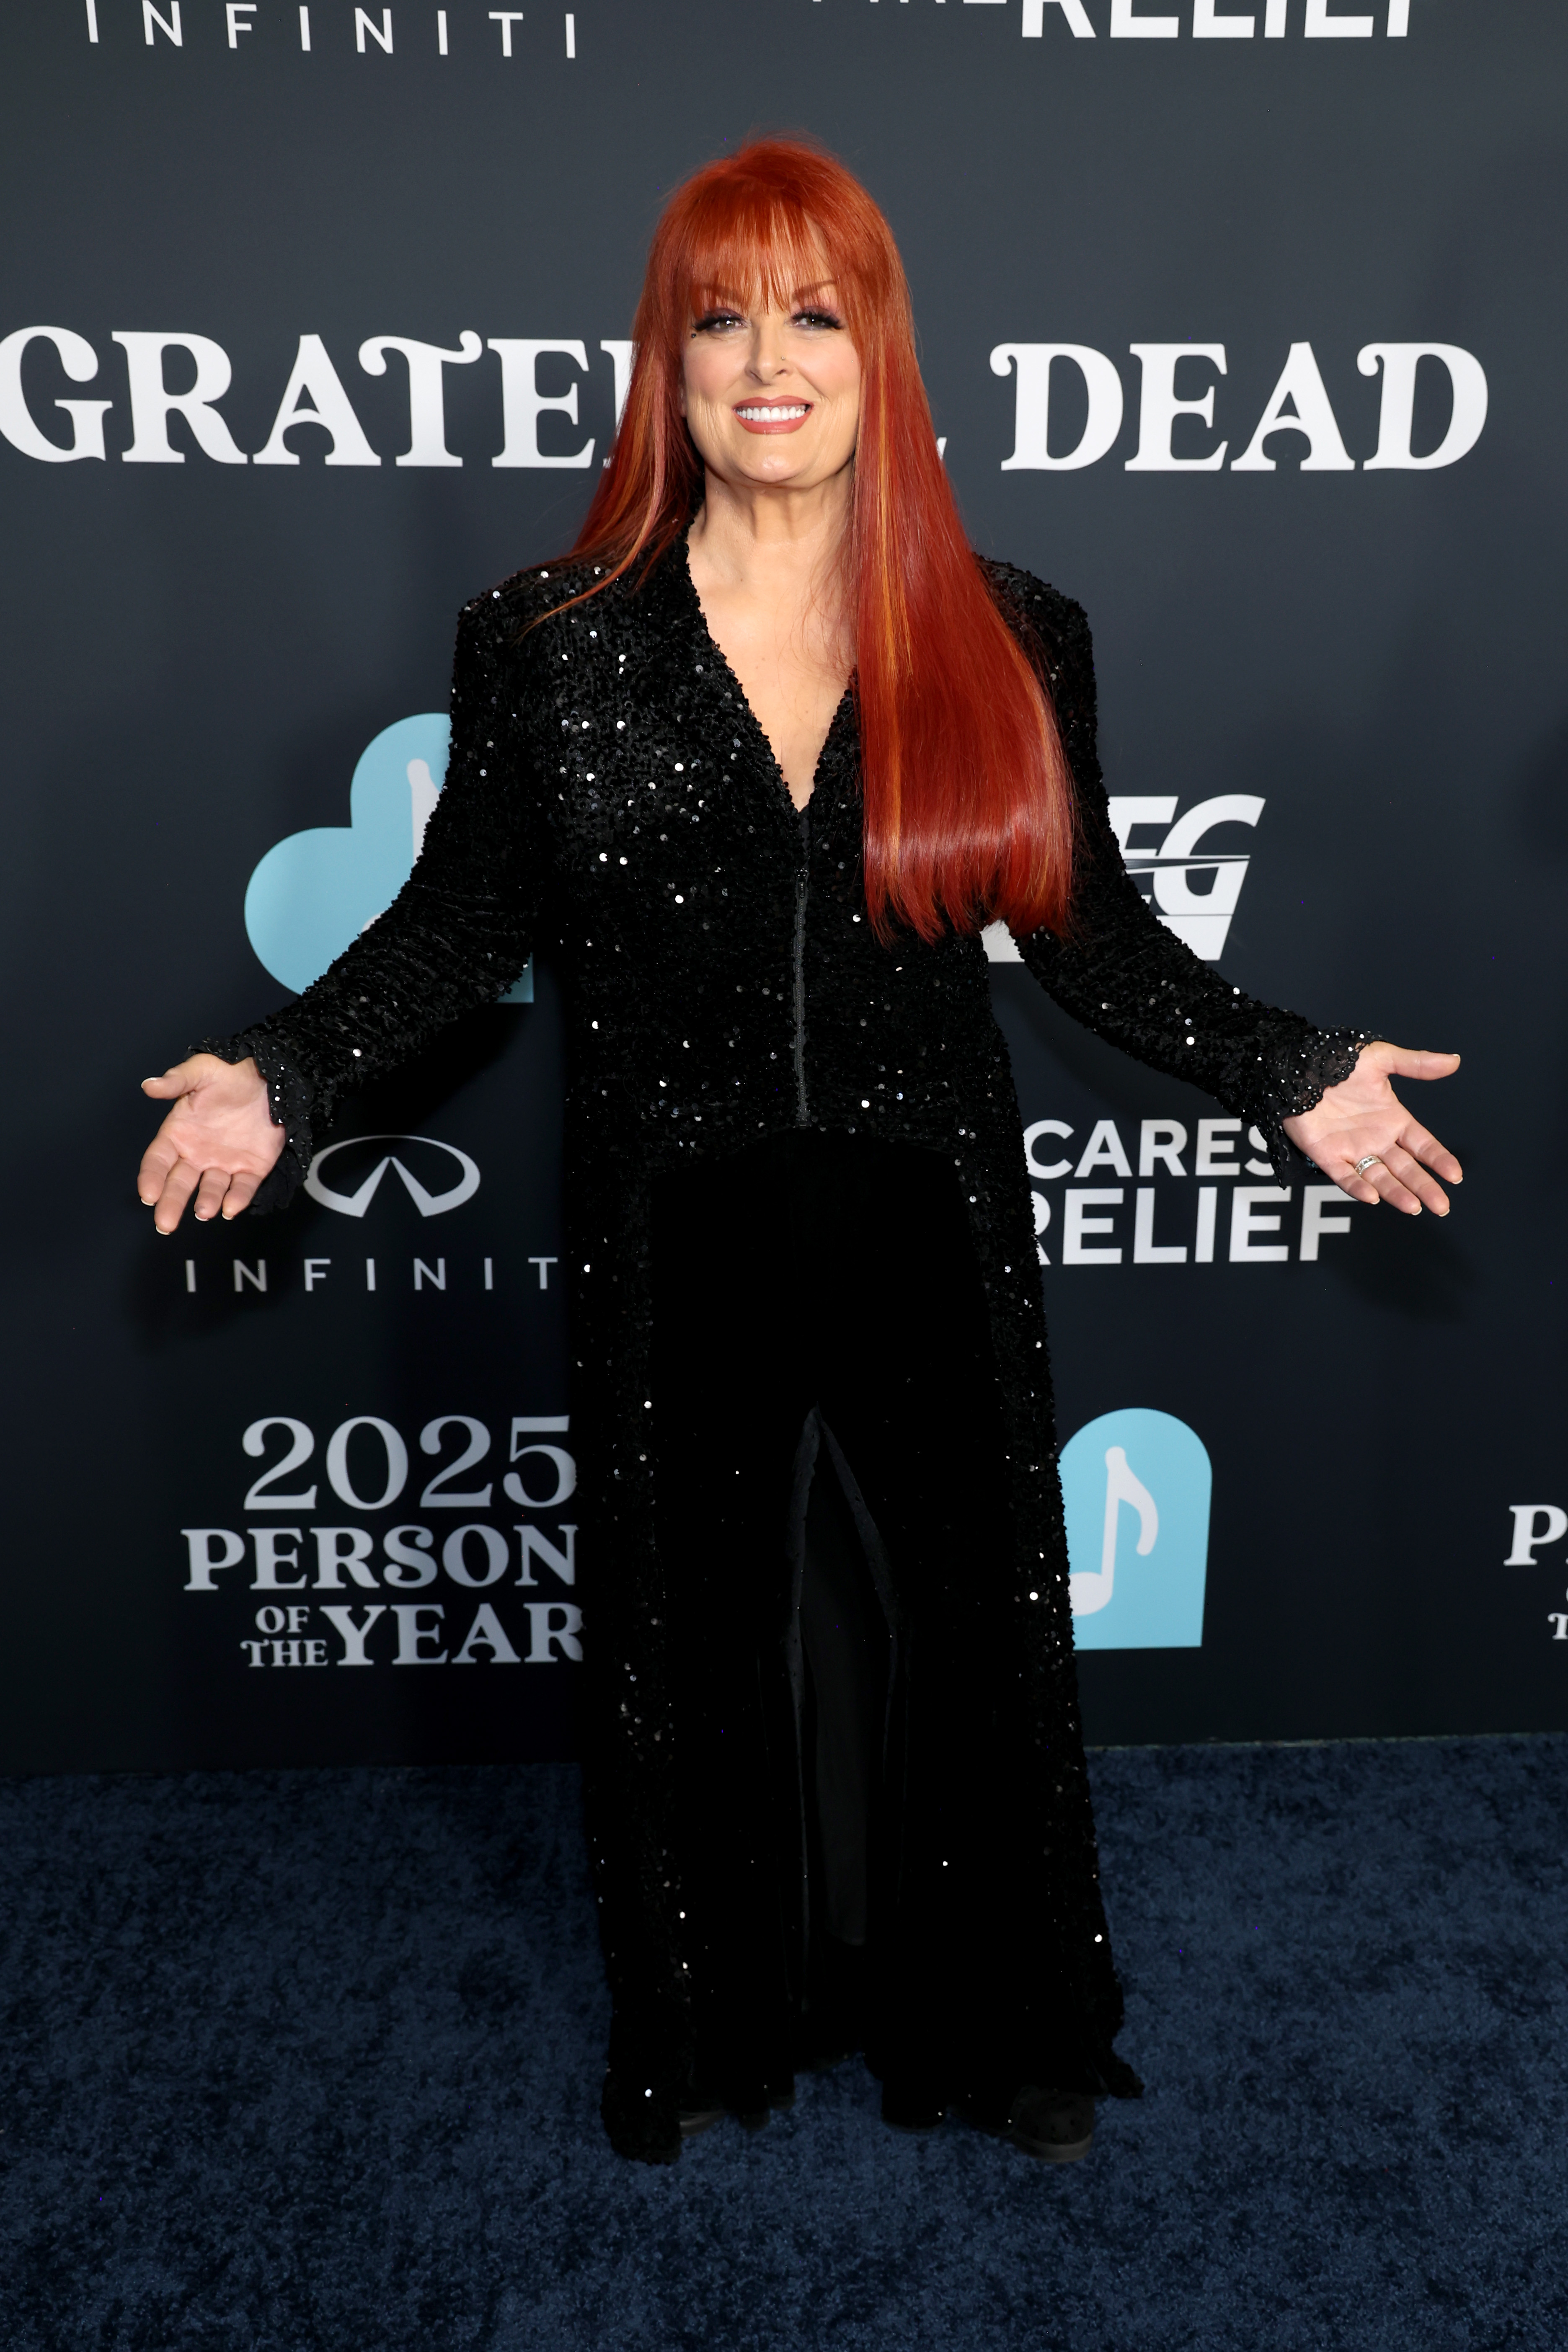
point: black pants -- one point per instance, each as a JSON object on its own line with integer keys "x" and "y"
{"x": 829, "y": 1485}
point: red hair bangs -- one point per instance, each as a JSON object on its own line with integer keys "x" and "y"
{"x": 748, "y": 244}
{"x": 969, "y": 807}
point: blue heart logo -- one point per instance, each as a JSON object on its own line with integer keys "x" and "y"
{"x": 1136, "y": 1487}
{"x": 314, "y": 892}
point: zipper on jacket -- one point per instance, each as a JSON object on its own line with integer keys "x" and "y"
{"x": 802, "y": 886}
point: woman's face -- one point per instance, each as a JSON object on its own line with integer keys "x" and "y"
{"x": 773, "y": 397}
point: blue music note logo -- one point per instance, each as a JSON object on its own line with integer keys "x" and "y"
{"x": 1136, "y": 1487}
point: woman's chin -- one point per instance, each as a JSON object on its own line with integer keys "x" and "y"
{"x": 773, "y": 462}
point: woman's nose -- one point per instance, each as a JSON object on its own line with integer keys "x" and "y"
{"x": 768, "y": 356}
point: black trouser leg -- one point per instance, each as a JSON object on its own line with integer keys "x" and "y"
{"x": 832, "y": 1272}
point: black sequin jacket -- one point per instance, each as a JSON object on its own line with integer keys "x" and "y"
{"x": 611, "y": 799}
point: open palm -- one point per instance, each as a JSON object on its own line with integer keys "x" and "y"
{"x": 216, "y": 1145}
{"x": 1363, "y": 1118}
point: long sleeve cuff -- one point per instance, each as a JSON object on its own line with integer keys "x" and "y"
{"x": 1296, "y": 1078}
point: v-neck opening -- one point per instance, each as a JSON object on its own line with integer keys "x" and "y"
{"x": 846, "y": 701}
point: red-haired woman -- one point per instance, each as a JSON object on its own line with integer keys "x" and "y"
{"x": 755, "y": 764}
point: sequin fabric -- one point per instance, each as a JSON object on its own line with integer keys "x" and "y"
{"x": 612, "y": 800}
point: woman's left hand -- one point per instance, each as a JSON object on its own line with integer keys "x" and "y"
{"x": 1363, "y": 1118}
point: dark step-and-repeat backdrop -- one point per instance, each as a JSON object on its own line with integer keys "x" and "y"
{"x": 1243, "y": 324}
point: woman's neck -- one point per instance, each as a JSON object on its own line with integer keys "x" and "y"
{"x": 786, "y": 545}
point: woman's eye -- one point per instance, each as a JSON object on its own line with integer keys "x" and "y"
{"x": 817, "y": 319}
{"x": 714, "y": 319}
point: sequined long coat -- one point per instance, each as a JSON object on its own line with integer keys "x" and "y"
{"x": 612, "y": 800}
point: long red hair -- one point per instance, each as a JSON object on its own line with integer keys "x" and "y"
{"x": 968, "y": 804}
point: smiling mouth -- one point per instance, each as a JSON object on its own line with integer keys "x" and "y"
{"x": 774, "y": 416}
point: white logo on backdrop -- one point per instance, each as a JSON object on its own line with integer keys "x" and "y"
{"x": 1130, "y": 22}
{"x": 1535, "y": 1525}
{"x": 1092, "y": 1587}
{"x": 1299, "y": 405}
{"x": 1171, "y": 1224}
{"x": 1195, "y": 890}
{"x": 429, "y": 1204}
{"x": 374, "y": 35}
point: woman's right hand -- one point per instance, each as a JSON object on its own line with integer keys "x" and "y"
{"x": 217, "y": 1143}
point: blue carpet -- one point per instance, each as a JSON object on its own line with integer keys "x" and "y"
{"x": 308, "y": 2062}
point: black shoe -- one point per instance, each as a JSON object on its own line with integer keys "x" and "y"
{"x": 645, "y": 2127}
{"x": 1056, "y": 2127}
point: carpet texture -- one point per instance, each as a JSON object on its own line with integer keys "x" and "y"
{"x": 308, "y": 2062}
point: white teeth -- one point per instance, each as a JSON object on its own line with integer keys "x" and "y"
{"x": 771, "y": 416}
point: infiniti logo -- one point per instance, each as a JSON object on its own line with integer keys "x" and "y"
{"x": 429, "y": 1204}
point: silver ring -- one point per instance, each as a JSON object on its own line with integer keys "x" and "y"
{"x": 1373, "y": 1160}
